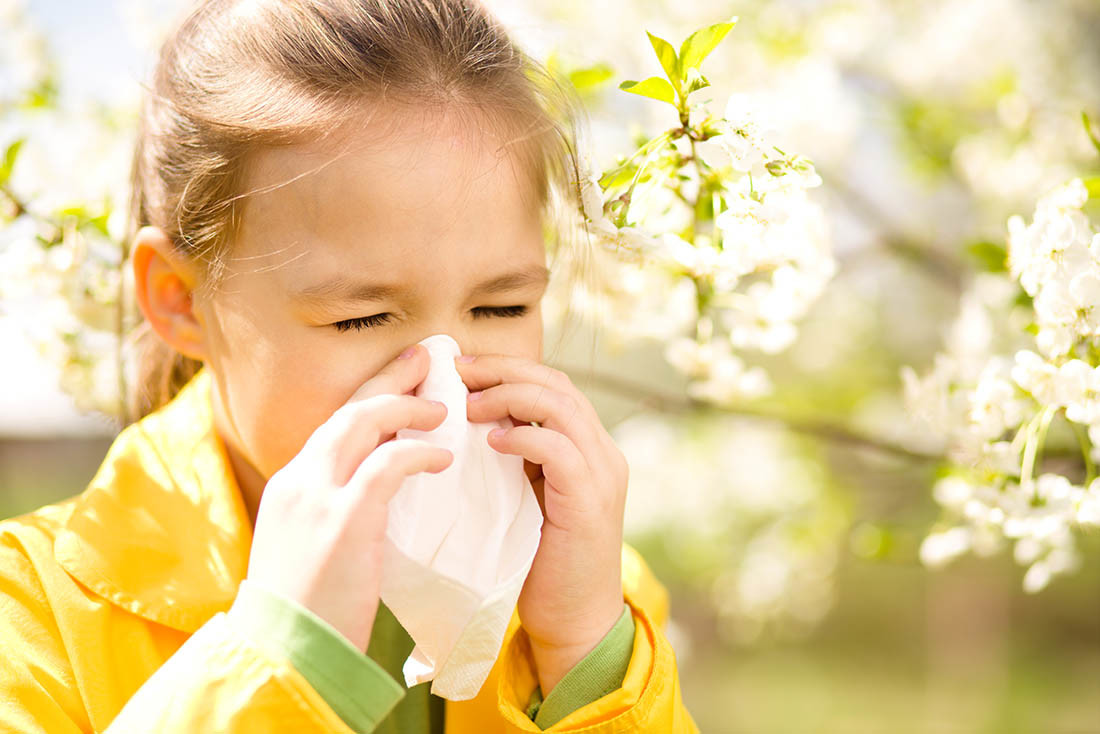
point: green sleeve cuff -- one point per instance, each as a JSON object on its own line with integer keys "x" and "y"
{"x": 600, "y": 672}
{"x": 357, "y": 688}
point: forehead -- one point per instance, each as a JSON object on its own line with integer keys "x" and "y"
{"x": 407, "y": 197}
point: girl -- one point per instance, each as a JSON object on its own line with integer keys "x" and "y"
{"x": 317, "y": 186}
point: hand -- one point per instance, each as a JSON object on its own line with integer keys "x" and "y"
{"x": 321, "y": 525}
{"x": 573, "y": 594}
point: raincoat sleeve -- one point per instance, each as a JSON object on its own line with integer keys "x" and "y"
{"x": 648, "y": 698}
{"x": 258, "y": 667}
{"x": 600, "y": 672}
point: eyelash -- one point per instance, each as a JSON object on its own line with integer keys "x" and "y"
{"x": 366, "y": 322}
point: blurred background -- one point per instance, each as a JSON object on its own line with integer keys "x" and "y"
{"x": 787, "y": 528}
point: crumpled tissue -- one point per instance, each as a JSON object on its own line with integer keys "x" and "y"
{"x": 459, "y": 543}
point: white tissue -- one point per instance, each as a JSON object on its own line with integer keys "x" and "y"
{"x": 459, "y": 543}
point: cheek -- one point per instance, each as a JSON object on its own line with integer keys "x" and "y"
{"x": 522, "y": 338}
{"x": 236, "y": 327}
{"x": 532, "y": 341}
{"x": 279, "y": 437}
{"x": 538, "y": 349}
{"x": 276, "y": 423}
{"x": 527, "y": 349}
{"x": 283, "y": 380}
{"x": 295, "y": 397}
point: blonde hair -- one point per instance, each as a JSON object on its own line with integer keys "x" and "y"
{"x": 239, "y": 75}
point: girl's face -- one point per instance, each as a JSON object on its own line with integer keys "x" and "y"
{"x": 359, "y": 256}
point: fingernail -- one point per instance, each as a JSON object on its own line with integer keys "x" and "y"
{"x": 467, "y": 358}
{"x": 497, "y": 432}
{"x": 408, "y": 352}
{"x": 476, "y": 395}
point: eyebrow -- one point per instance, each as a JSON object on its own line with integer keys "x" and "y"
{"x": 342, "y": 289}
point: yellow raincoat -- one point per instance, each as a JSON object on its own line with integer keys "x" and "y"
{"x": 98, "y": 591}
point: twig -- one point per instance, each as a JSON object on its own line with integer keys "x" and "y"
{"x": 673, "y": 403}
{"x": 20, "y": 207}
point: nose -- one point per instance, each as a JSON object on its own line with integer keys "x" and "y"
{"x": 466, "y": 343}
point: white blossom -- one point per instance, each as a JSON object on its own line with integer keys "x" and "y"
{"x": 718, "y": 374}
{"x": 762, "y": 262}
{"x": 744, "y": 133}
{"x": 995, "y": 411}
{"x": 939, "y": 548}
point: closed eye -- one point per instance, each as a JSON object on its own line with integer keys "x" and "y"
{"x": 506, "y": 311}
{"x": 363, "y": 322}
{"x": 379, "y": 319}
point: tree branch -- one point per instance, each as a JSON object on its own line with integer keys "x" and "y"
{"x": 671, "y": 403}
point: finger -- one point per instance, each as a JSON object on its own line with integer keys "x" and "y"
{"x": 527, "y": 402}
{"x": 488, "y": 370}
{"x": 563, "y": 465}
{"x": 358, "y": 427}
{"x": 380, "y": 475}
{"x": 398, "y": 376}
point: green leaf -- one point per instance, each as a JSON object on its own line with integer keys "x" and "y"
{"x": 667, "y": 56}
{"x": 1092, "y": 206}
{"x": 590, "y": 77}
{"x": 695, "y": 81}
{"x": 1023, "y": 299}
{"x": 99, "y": 224}
{"x": 700, "y": 43}
{"x": 617, "y": 176}
{"x": 626, "y": 168}
{"x": 76, "y": 211}
{"x": 654, "y": 87}
{"x": 990, "y": 255}
{"x": 43, "y": 95}
{"x": 622, "y": 177}
{"x": 1088, "y": 130}
{"x": 10, "y": 155}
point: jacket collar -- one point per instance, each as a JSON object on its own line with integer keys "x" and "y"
{"x": 162, "y": 530}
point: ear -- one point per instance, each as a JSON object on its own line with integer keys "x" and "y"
{"x": 163, "y": 283}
